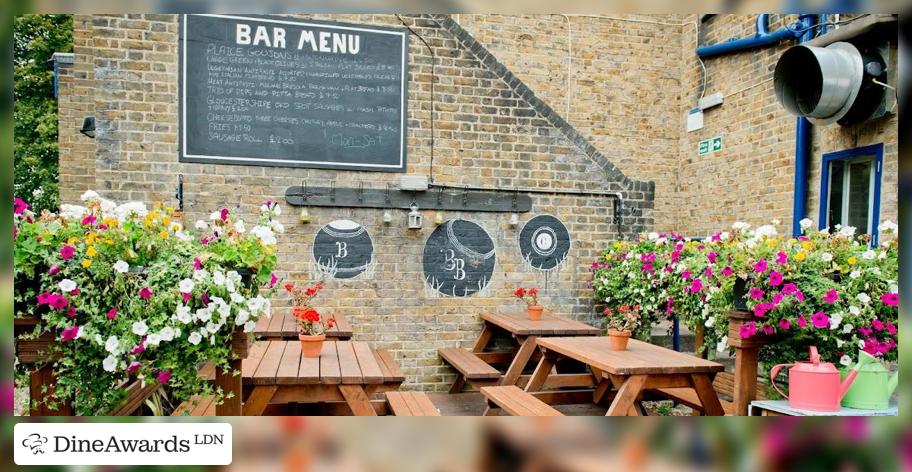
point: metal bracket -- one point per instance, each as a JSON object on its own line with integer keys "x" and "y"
{"x": 180, "y": 192}
{"x": 388, "y": 198}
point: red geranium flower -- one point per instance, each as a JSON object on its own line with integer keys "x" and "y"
{"x": 519, "y": 292}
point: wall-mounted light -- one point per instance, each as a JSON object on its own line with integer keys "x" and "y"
{"x": 304, "y": 216}
{"x": 514, "y": 219}
{"x": 88, "y": 127}
{"x": 414, "y": 218}
{"x": 438, "y": 218}
{"x": 387, "y": 217}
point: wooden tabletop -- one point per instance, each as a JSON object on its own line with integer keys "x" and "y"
{"x": 518, "y": 322}
{"x": 639, "y": 358}
{"x": 342, "y": 362}
{"x": 282, "y": 326}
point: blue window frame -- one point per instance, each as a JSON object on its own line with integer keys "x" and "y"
{"x": 850, "y": 189}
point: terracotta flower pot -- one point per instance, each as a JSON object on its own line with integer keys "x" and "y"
{"x": 311, "y": 345}
{"x": 535, "y": 312}
{"x": 617, "y": 340}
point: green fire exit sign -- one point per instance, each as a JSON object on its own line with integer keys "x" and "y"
{"x": 710, "y": 145}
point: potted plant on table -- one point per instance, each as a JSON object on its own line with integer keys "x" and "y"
{"x": 311, "y": 325}
{"x": 621, "y": 323}
{"x": 530, "y": 298}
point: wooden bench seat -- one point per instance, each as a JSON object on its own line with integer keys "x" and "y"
{"x": 411, "y": 404}
{"x": 516, "y": 402}
{"x": 723, "y": 384}
{"x": 470, "y": 367}
{"x": 196, "y": 406}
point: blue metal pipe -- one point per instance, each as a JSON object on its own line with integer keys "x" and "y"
{"x": 762, "y": 37}
{"x": 802, "y": 145}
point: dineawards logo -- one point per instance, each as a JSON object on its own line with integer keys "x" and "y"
{"x": 122, "y": 444}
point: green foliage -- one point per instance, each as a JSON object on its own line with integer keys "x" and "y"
{"x": 35, "y": 39}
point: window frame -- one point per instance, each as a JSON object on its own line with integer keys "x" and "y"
{"x": 875, "y": 153}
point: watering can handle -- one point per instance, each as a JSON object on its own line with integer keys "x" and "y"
{"x": 774, "y": 372}
{"x": 815, "y": 357}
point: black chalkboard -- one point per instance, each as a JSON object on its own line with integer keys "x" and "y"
{"x": 269, "y": 91}
{"x": 459, "y": 258}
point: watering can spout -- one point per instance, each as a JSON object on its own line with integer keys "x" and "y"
{"x": 847, "y": 382}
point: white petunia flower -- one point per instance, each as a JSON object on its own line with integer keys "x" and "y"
{"x": 826, "y": 257}
{"x": 854, "y": 274}
{"x": 835, "y": 320}
{"x": 73, "y": 211}
{"x": 722, "y": 344}
{"x": 215, "y": 216}
{"x": 140, "y": 328}
{"x": 200, "y": 224}
{"x": 652, "y": 236}
{"x": 67, "y": 285}
{"x": 869, "y": 255}
{"x": 213, "y": 327}
{"x": 888, "y": 227}
{"x": 863, "y": 298}
{"x": 242, "y": 317}
{"x": 248, "y": 326}
{"x": 186, "y": 286}
{"x": 277, "y": 209}
{"x": 237, "y": 298}
{"x": 277, "y": 227}
{"x": 126, "y": 210}
{"x": 167, "y": 333}
{"x": 109, "y": 363}
{"x": 204, "y": 314}
{"x": 89, "y": 195}
{"x": 218, "y": 278}
{"x": 854, "y": 310}
{"x": 194, "y": 338}
{"x": 183, "y": 314}
{"x": 112, "y": 345}
{"x": 847, "y": 328}
{"x": 740, "y": 226}
{"x": 845, "y": 360}
{"x": 861, "y": 344}
{"x": 153, "y": 339}
{"x": 183, "y": 236}
{"x": 121, "y": 267}
{"x": 709, "y": 322}
{"x": 847, "y": 231}
{"x": 239, "y": 226}
{"x": 766, "y": 231}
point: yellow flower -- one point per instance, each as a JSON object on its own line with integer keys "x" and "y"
{"x": 110, "y": 222}
{"x": 853, "y": 260}
{"x": 86, "y": 263}
{"x": 163, "y": 234}
{"x": 90, "y": 239}
{"x": 807, "y": 245}
{"x": 158, "y": 206}
{"x": 618, "y": 245}
{"x": 792, "y": 240}
{"x": 169, "y": 210}
{"x": 800, "y": 256}
{"x": 772, "y": 242}
{"x": 166, "y": 220}
{"x": 72, "y": 240}
{"x": 91, "y": 252}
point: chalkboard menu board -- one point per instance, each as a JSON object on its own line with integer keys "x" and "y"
{"x": 272, "y": 91}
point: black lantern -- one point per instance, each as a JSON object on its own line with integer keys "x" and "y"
{"x": 88, "y": 127}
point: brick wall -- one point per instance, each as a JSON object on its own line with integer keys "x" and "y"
{"x": 753, "y": 176}
{"x": 491, "y": 130}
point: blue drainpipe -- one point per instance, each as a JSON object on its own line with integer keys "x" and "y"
{"x": 802, "y": 147}
{"x": 762, "y": 37}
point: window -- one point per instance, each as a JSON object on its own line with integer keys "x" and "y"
{"x": 850, "y": 189}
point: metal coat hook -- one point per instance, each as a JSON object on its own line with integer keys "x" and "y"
{"x": 360, "y": 192}
{"x": 515, "y": 193}
{"x": 180, "y": 192}
{"x": 304, "y": 189}
{"x": 440, "y": 196}
{"x": 465, "y": 196}
{"x": 332, "y": 191}
{"x": 387, "y": 193}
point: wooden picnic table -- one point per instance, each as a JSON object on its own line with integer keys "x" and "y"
{"x": 282, "y": 326}
{"x": 517, "y": 325}
{"x": 346, "y": 371}
{"x": 641, "y": 367}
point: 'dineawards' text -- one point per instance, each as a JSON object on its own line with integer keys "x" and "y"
{"x": 115, "y": 445}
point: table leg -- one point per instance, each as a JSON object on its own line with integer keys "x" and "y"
{"x": 259, "y": 399}
{"x": 526, "y": 349}
{"x": 541, "y": 372}
{"x": 357, "y": 400}
{"x": 624, "y": 401}
{"x": 231, "y": 385}
{"x": 484, "y": 338}
{"x": 708, "y": 397}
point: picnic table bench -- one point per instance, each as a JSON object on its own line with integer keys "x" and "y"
{"x": 411, "y": 404}
{"x": 282, "y": 326}
{"x": 476, "y": 366}
{"x": 630, "y": 373}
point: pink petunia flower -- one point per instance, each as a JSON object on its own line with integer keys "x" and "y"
{"x": 71, "y": 313}
{"x": 789, "y": 289}
{"x": 716, "y": 237}
{"x": 69, "y": 334}
{"x": 820, "y": 320}
{"x": 54, "y": 270}
{"x": 784, "y": 324}
{"x": 685, "y": 275}
{"x": 768, "y": 330}
{"x": 865, "y": 331}
{"x": 696, "y": 286}
{"x": 878, "y": 325}
{"x": 163, "y": 377}
{"x": 802, "y": 321}
{"x": 19, "y": 206}
{"x": 891, "y": 328}
{"x": 831, "y": 297}
{"x": 890, "y": 299}
{"x": 775, "y": 278}
{"x": 112, "y": 313}
{"x": 756, "y": 293}
{"x": 224, "y": 214}
{"x": 186, "y": 297}
{"x": 747, "y": 330}
{"x": 145, "y": 293}
{"x": 761, "y": 309}
{"x": 711, "y": 256}
{"x": 669, "y": 306}
{"x": 88, "y": 220}
{"x": 139, "y": 348}
{"x": 708, "y": 272}
{"x": 777, "y": 299}
{"x": 58, "y": 302}
{"x": 782, "y": 258}
{"x": 799, "y": 295}
{"x": 67, "y": 252}
{"x": 273, "y": 280}
{"x": 760, "y": 266}
{"x": 133, "y": 367}
{"x": 727, "y": 271}
{"x": 197, "y": 265}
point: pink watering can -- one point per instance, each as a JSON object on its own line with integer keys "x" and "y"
{"x": 814, "y": 385}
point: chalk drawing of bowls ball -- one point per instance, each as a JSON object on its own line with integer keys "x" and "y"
{"x": 343, "y": 248}
{"x": 544, "y": 242}
{"x": 459, "y": 258}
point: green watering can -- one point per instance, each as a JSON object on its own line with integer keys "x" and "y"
{"x": 873, "y": 386}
